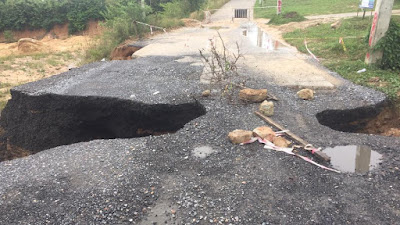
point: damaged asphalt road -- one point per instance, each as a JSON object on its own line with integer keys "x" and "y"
{"x": 161, "y": 179}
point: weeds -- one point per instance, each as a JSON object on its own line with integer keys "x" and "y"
{"x": 286, "y": 18}
{"x": 222, "y": 65}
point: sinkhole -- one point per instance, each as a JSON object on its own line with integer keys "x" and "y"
{"x": 381, "y": 119}
{"x": 31, "y": 123}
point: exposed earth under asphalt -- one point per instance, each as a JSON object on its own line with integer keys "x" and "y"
{"x": 194, "y": 175}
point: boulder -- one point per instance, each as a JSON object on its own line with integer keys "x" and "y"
{"x": 264, "y": 132}
{"x": 27, "y": 45}
{"x": 267, "y": 108}
{"x": 306, "y": 94}
{"x": 253, "y": 95}
{"x": 240, "y": 136}
{"x": 281, "y": 142}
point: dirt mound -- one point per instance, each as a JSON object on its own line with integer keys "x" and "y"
{"x": 27, "y": 45}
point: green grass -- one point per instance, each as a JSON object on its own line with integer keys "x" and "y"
{"x": 286, "y": 18}
{"x": 214, "y": 4}
{"x": 3, "y": 94}
{"x": 323, "y": 41}
{"x": 310, "y": 7}
{"x": 53, "y": 62}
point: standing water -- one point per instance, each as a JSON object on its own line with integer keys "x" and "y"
{"x": 353, "y": 158}
{"x": 259, "y": 38}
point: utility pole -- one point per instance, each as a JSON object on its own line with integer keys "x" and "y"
{"x": 380, "y": 24}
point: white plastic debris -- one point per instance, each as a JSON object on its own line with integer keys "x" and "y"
{"x": 156, "y": 93}
{"x": 362, "y": 71}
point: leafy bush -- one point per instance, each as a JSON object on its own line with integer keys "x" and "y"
{"x": 37, "y": 14}
{"x": 120, "y": 16}
{"x": 390, "y": 45}
{"x": 174, "y": 9}
{"x": 79, "y": 12}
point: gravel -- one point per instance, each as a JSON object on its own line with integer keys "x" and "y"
{"x": 158, "y": 179}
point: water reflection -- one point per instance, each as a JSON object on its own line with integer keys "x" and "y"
{"x": 353, "y": 158}
{"x": 259, "y": 38}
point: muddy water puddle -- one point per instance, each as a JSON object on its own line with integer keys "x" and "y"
{"x": 260, "y": 39}
{"x": 353, "y": 158}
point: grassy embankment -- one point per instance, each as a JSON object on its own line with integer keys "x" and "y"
{"x": 306, "y": 8}
{"x": 323, "y": 41}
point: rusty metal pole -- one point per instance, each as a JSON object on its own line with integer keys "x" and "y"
{"x": 380, "y": 24}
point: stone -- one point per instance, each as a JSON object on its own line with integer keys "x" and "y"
{"x": 253, "y": 95}
{"x": 240, "y": 136}
{"x": 267, "y": 108}
{"x": 264, "y": 132}
{"x": 124, "y": 52}
{"x": 206, "y": 93}
{"x": 281, "y": 142}
{"x": 306, "y": 94}
{"x": 29, "y": 45}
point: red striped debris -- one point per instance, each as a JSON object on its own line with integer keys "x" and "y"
{"x": 271, "y": 146}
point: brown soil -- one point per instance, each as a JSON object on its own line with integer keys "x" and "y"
{"x": 387, "y": 123}
{"x": 123, "y": 52}
{"x": 59, "y": 31}
{"x": 10, "y": 152}
{"x": 56, "y": 53}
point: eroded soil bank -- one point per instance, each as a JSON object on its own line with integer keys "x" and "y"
{"x": 381, "y": 119}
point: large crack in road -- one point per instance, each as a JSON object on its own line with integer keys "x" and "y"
{"x": 162, "y": 179}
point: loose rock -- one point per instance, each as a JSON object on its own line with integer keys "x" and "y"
{"x": 240, "y": 136}
{"x": 253, "y": 95}
{"x": 264, "y": 132}
{"x": 267, "y": 108}
{"x": 206, "y": 93}
{"x": 281, "y": 142}
{"x": 306, "y": 94}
